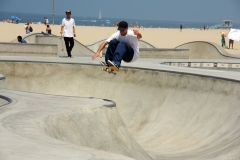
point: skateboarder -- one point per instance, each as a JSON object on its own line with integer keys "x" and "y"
{"x": 122, "y": 45}
{"x": 68, "y": 24}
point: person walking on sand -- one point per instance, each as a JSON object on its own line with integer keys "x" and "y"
{"x": 47, "y": 21}
{"x": 27, "y": 28}
{"x": 223, "y": 39}
{"x": 231, "y": 42}
{"x": 68, "y": 24}
{"x": 122, "y": 45}
{"x": 180, "y": 28}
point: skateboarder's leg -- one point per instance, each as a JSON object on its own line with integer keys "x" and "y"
{"x": 111, "y": 49}
{"x": 123, "y": 51}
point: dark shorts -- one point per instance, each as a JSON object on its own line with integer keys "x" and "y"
{"x": 231, "y": 41}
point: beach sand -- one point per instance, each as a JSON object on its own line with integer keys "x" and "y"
{"x": 159, "y": 37}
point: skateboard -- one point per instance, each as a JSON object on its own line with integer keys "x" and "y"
{"x": 110, "y": 69}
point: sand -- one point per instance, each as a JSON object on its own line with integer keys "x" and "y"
{"x": 159, "y": 37}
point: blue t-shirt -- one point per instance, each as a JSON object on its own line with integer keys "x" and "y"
{"x": 23, "y": 41}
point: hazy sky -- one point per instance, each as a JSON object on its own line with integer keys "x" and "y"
{"x": 172, "y": 10}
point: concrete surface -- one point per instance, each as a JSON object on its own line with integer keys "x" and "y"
{"x": 206, "y": 50}
{"x": 206, "y": 64}
{"x": 35, "y": 50}
{"x": 78, "y": 49}
{"x": 3, "y": 101}
{"x": 171, "y": 112}
{"x": 160, "y": 53}
{"x": 42, "y": 38}
{"x": 26, "y": 128}
{"x": 2, "y": 81}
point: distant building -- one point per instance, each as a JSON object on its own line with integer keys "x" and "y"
{"x": 226, "y": 24}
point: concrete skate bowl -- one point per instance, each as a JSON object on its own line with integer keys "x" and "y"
{"x": 40, "y": 38}
{"x": 171, "y": 115}
{"x": 206, "y": 50}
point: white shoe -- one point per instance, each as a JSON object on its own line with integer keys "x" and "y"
{"x": 103, "y": 63}
{"x": 110, "y": 63}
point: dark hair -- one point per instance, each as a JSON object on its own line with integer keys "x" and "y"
{"x": 19, "y": 37}
{"x": 68, "y": 11}
{"x": 47, "y": 25}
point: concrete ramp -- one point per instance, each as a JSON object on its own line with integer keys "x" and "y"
{"x": 78, "y": 49}
{"x": 206, "y": 50}
{"x": 33, "y": 127}
{"x": 42, "y": 38}
{"x": 171, "y": 115}
{"x": 94, "y": 123}
{"x": 2, "y": 81}
{"x": 28, "y": 49}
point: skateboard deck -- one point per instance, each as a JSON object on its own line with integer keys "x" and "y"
{"x": 110, "y": 69}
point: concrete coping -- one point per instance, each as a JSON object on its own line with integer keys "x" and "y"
{"x": 216, "y": 46}
{"x": 155, "y": 49}
{"x": 162, "y": 49}
{"x": 28, "y": 44}
{"x": 2, "y": 77}
{"x": 7, "y": 99}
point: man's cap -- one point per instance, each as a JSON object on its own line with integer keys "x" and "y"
{"x": 122, "y": 25}
{"x": 68, "y": 11}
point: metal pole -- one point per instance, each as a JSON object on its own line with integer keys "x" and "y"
{"x": 53, "y": 12}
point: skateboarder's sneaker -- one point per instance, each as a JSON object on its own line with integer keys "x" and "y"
{"x": 110, "y": 63}
{"x": 103, "y": 63}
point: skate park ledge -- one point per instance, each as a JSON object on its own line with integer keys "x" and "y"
{"x": 28, "y": 49}
{"x": 162, "y": 53}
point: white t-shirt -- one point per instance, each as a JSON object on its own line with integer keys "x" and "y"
{"x": 68, "y": 27}
{"x": 130, "y": 38}
{"x": 27, "y": 31}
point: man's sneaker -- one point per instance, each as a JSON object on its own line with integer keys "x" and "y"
{"x": 110, "y": 63}
{"x": 103, "y": 63}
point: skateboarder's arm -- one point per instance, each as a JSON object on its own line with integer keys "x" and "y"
{"x": 136, "y": 32}
{"x": 97, "y": 54}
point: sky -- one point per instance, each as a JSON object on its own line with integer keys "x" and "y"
{"x": 171, "y": 10}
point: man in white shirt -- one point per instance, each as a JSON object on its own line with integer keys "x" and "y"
{"x": 122, "y": 45}
{"x": 68, "y": 25}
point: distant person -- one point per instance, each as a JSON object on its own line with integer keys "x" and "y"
{"x": 20, "y": 40}
{"x": 27, "y": 28}
{"x": 180, "y": 28}
{"x": 44, "y": 21}
{"x": 47, "y": 21}
{"x": 223, "y": 39}
{"x": 122, "y": 45}
{"x": 48, "y": 30}
{"x": 231, "y": 42}
{"x": 204, "y": 27}
{"x": 68, "y": 24}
